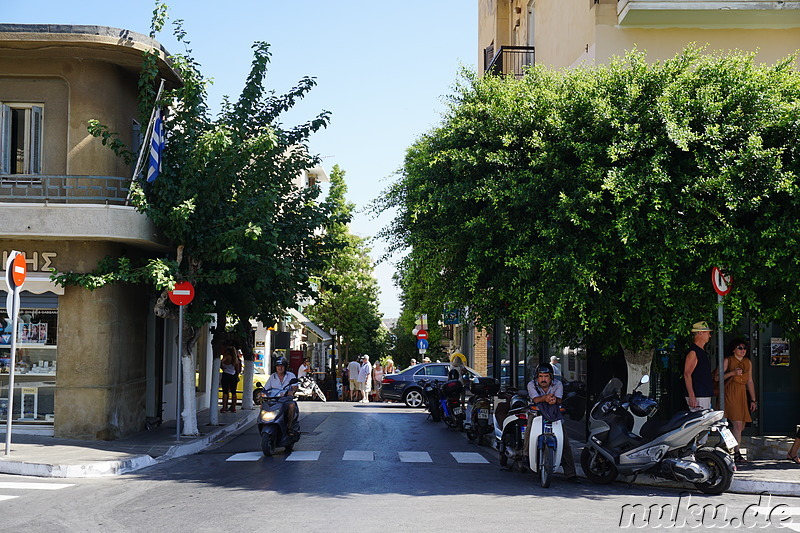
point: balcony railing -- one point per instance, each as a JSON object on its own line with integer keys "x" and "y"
{"x": 511, "y": 60}
{"x": 16, "y": 188}
{"x": 709, "y": 13}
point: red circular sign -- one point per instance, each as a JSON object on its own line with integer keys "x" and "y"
{"x": 721, "y": 281}
{"x": 182, "y": 294}
{"x": 19, "y": 269}
{"x": 422, "y": 334}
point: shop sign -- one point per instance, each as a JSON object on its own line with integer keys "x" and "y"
{"x": 36, "y": 261}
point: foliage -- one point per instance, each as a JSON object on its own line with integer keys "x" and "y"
{"x": 592, "y": 203}
{"x": 348, "y": 291}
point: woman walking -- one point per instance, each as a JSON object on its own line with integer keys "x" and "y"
{"x": 231, "y": 368}
{"x": 738, "y": 376}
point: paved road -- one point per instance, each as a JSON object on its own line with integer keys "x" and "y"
{"x": 357, "y": 468}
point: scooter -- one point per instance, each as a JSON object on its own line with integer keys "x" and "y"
{"x": 452, "y": 410}
{"x": 308, "y": 389}
{"x": 546, "y": 444}
{"x": 479, "y": 408}
{"x": 433, "y": 396}
{"x": 674, "y": 450}
{"x": 510, "y": 422}
{"x": 272, "y": 420}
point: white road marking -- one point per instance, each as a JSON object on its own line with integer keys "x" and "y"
{"x": 303, "y": 456}
{"x": 3, "y": 498}
{"x": 358, "y": 455}
{"x": 247, "y": 456}
{"x": 414, "y": 457}
{"x": 33, "y": 485}
{"x": 469, "y": 457}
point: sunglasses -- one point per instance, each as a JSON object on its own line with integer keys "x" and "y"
{"x": 741, "y": 347}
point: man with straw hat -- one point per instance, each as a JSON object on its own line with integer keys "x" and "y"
{"x": 697, "y": 370}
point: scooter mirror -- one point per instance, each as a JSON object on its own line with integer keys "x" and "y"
{"x": 645, "y": 379}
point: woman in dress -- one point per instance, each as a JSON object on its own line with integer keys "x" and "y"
{"x": 738, "y": 372}
{"x": 377, "y": 378}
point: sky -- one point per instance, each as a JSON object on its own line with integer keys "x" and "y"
{"x": 383, "y": 70}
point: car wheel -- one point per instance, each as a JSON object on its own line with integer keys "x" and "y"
{"x": 414, "y": 398}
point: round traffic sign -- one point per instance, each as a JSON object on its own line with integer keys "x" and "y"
{"x": 721, "y": 281}
{"x": 422, "y": 334}
{"x": 19, "y": 269}
{"x": 182, "y": 294}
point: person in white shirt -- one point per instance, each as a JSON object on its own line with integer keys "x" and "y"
{"x": 364, "y": 376}
{"x": 352, "y": 373}
{"x": 279, "y": 380}
{"x": 304, "y": 369}
{"x": 556, "y": 367}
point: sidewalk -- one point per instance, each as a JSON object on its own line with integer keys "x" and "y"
{"x": 43, "y": 456}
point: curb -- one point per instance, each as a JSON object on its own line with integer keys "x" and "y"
{"x": 128, "y": 465}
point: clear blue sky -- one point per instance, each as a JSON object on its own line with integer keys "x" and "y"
{"x": 382, "y": 69}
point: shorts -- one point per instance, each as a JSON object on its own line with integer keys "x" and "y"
{"x": 228, "y": 382}
{"x": 360, "y": 385}
{"x": 702, "y": 403}
{"x": 353, "y": 384}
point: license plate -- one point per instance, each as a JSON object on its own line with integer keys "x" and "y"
{"x": 727, "y": 436}
{"x": 457, "y": 411}
{"x": 483, "y": 414}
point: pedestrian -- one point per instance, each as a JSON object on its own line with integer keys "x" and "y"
{"x": 388, "y": 368}
{"x": 363, "y": 379}
{"x": 413, "y": 363}
{"x": 345, "y": 380}
{"x": 697, "y": 370}
{"x": 738, "y": 377}
{"x": 229, "y": 378}
{"x": 792, "y": 455}
{"x": 377, "y": 378}
{"x": 352, "y": 372}
{"x": 554, "y": 362}
{"x": 304, "y": 369}
{"x": 426, "y": 359}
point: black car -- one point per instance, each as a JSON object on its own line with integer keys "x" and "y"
{"x": 404, "y": 386}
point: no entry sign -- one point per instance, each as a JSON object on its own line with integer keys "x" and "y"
{"x": 182, "y": 294}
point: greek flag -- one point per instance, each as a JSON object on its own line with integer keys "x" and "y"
{"x": 156, "y": 147}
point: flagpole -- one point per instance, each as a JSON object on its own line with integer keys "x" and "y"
{"x": 145, "y": 147}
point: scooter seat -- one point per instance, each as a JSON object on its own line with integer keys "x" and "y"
{"x": 652, "y": 428}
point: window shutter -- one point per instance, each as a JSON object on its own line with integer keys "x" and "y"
{"x": 36, "y": 140}
{"x": 5, "y": 139}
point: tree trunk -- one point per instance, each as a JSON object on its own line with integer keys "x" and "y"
{"x": 189, "y": 411}
{"x": 638, "y": 362}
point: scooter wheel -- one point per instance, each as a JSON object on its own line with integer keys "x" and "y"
{"x": 267, "y": 444}
{"x": 596, "y": 467}
{"x": 721, "y": 473}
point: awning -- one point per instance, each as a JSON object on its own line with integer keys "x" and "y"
{"x": 318, "y": 331}
{"x": 36, "y": 283}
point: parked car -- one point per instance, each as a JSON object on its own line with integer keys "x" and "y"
{"x": 404, "y": 386}
{"x": 259, "y": 376}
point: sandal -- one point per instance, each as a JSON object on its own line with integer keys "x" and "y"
{"x": 793, "y": 458}
{"x": 739, "y": 458}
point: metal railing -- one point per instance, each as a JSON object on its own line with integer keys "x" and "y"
{"x": 16, "y": 188}
{"x": 511, "y": 60}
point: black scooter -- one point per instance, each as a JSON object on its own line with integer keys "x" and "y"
{"x": 272, "y": 419}
{"x": 479, "y": 408}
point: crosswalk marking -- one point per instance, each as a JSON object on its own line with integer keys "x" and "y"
{"x": 358, "y": 455}
{"x": 469, "y": 457}
{"x": 3, "y": 498}
{"x": 415, "y": 457}
{"x": 33, "y": 485}
{"x": 248, "y": 456}
{"x": 303, "y": 456}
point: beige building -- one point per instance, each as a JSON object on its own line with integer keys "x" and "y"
{"x": 567, "y": 33}
{"x": 91, "y": 365}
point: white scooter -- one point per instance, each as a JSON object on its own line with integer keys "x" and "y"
{"x": 546, "y": 445}
{"x": 308, "y": 389}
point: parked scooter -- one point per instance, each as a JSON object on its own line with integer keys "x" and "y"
{"x": 308, "y": 389}
{"x": 546, "y": 444}
{"x": 510, "y": 422}
{"x": 272, "y": 419}
{"x": 433, "y": 396}
{"x": 452, "y": 410}
{"x": 574, "y": 402}
{"x": 479, "y": 409}
{"x": 673, "y": 450}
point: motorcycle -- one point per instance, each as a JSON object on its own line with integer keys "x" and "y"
{"x": 272, "y": 420}
{"x": 308, "y": 389}
{"x": 674, "y": 450}
{"x": 432, "y": 390}
{"x": 479, "y": 408}
{"x": 510, "y": 423}
{"x": 450, "y": 402}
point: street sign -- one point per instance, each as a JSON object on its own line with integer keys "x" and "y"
{"x": 18, "y": 270}
{"x": 422, "y": 344}
{"x": 721, "y": 281}
{"x": 422, "y": 334}
{"x": 182, "y": 294}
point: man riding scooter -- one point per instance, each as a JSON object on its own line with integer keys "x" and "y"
{"x": 547, "y": 393}
{"x": 279, "y": 380}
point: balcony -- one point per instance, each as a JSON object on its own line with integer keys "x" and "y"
{"x": 709, "y": 14}
{"x": 510, "y": 60}
{"x": 84, "y": 208}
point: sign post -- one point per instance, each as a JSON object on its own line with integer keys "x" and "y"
{"x": 16, "y": 270}
{"x": 181, "y": 295}
{"x": 722, "y": 283}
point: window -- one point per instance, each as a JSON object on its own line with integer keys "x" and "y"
{"x": 436, "y": 370}
{"x": 21, "y": 139}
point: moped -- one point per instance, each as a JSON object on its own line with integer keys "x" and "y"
{"x": 272, "y": 419}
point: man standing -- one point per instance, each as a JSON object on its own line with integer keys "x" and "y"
{"x": 556, "y": 367}
{"x": 364, "y": 372}
{"x": 697, "y": 370}
{"x": 352, "y": 372}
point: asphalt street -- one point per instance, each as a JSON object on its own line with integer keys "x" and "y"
{"x": 363, "y": 468}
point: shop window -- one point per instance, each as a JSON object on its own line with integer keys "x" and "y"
{"x": 35, "y": 368}
{"x": 21, "y": 139}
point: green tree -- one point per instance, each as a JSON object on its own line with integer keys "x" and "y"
{"x": 348, "y": 290}
{"x": 246, "y": 236}
{"x": 592, "y": 203}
